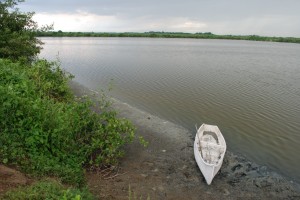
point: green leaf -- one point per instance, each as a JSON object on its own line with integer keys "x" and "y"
{"x": 5, "y": 161}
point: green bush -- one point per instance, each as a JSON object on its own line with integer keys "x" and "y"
{"x": 47, "y": 190}
{"x": 18, "y": 33}
{"x": 51, "y": 80}
{"x": 46, "y": 131}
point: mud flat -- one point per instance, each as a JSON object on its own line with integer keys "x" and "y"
{"x": 166, "y": 169}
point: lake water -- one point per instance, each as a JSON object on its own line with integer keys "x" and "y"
{"x": 251, "y": 90}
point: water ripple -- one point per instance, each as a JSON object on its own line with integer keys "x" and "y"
{"x": 251, "y": 90}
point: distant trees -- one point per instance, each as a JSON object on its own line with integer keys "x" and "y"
{"x": 153, "y": 34}
{"x": 18, "y": 32}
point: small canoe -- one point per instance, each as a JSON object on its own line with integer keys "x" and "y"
{"x": 209, "y": 150}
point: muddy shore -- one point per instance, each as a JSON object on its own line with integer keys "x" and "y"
{"x": 166, "y": 169}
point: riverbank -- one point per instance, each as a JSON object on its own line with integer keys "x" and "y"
{"x": 166, "y": 169}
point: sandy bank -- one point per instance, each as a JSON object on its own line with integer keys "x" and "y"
{"x": 166, "y": 169}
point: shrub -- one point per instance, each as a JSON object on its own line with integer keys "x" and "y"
{"x": 46, "y": 131}
{"x": 18, "y": 32}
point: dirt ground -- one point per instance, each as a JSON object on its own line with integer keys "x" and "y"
{"x": 11, "y": 178}
{"x": 166, "y": 169}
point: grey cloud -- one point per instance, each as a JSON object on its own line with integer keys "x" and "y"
{"x": 230, "y": 12}
{"x": 196, "y": 8}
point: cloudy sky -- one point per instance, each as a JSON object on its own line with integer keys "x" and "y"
{"x": 239, "y": 17}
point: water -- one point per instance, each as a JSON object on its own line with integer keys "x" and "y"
{"x": 251, "y": 90}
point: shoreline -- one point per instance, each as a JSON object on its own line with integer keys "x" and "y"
{"x": 166, "y": 169}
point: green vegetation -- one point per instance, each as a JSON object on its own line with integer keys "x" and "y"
{"x": 46, "y": 131}
{"x": 152, "y": 34}
{"x": 17, "y": 33}
{"x": 48, "y": 189}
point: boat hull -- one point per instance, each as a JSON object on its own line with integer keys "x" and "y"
{"x": 208, "y": 170}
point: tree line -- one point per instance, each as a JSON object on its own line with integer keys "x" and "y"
{"x": 153, "y": 34}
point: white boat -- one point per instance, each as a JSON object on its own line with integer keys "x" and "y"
{"x": 209, "y": 150}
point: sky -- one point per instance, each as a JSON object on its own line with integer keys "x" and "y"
{"x": 236, "y": 17}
